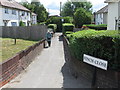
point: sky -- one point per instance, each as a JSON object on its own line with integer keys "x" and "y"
{"x": 53, "y": 5}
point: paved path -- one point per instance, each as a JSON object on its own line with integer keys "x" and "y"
{"x": 48, "y": 70}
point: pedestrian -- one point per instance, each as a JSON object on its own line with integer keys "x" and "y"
{"x": 48, "y": 38}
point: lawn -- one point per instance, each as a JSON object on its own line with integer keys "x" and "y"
{"x": 9, "y": 49}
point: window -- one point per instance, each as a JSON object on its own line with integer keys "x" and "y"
{"x": 23, "y": 13}
{"x": 24, "y": 23}
{"x": 27, "y": 13}
{"x": 14, "y": 23}
{"x": 6, "y": 10}
{"x": 14, "y": 12}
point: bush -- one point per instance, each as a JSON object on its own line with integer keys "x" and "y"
{"x": 67, "y": 27}
{"x": 101, "y": 44}
{"x": 81, "y": 16}
{"x": 21, "y": 23}
{"x": 53, "y": 26}
{"x": 97, "y": 27}
{"x": 68, "y": 19}
{"x": 57, "y": 21}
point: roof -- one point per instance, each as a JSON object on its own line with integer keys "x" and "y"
{"x": 33, "y": 14}
{"x": 108, "y": 1}
{"x": 13, "y": 4}
{"x": 103, "y": 10}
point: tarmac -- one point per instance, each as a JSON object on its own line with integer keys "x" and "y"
{"x": 48, "y": 70}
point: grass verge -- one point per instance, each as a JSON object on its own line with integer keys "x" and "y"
{"x": 9, "y": 49}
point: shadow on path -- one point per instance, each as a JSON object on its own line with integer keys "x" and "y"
{"x": 70, "y": 80}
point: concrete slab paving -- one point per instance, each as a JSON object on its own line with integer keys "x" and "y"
{"x": 48, "y": 70}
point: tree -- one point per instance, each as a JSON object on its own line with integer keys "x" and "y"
{"x": 81, "y": 16}
{"x": 69, "y": 8}
{"x": 37, "y": 8}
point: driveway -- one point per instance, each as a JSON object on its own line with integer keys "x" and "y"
{"x": 48, "y": 70}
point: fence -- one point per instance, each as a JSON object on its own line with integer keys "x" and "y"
{"x": 30, "y": 32}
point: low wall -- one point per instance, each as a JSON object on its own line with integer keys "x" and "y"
{"x": 102, "y": 79}
{"x": 25, "y": 32}
{"x": 13, "y": 67}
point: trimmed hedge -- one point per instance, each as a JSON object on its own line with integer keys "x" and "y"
{"x": 67, "y": 27}
{"x": 97, "y": 27}
{"x": 101, "y": 44}
{"x": 53, "y": 26}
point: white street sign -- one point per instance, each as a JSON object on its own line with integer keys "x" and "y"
{"x": 95, "y": 62}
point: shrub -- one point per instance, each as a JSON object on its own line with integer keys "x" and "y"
{"x": 67, "y": 27}
{"x": 81, "y": 16}
{"x": 97, "y": 27}
{"x": 57, "y": 21}
{"x": 53, "y": 26}
{"x": 68, "y": 19}
{"x": 21, "y": 23}
{"x": 101, "y": 44}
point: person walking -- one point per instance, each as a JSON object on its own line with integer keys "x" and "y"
{"x": 48, "y": 38}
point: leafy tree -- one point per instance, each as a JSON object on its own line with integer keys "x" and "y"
{"x": 39, "y": 9}
{"x": 69, "y": 8}
{"x": 81, "y": 16}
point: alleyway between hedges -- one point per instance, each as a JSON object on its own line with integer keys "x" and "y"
{"x": 48, "y": 70}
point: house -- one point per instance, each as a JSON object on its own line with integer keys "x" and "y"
{"x": 113, "y": 14}
{"x": 100, "y": 17}
{"x": 11, "y": 13}
{"x": 34, "y": 18}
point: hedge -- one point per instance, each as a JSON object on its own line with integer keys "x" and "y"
{"x": 101, "y": 44}
{"x": 67, "y": 27}
{"x": 53, "y": 26}
{"x": 97, "y": 27}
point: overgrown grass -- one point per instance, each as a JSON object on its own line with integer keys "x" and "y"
{"x": 9, "y": 49}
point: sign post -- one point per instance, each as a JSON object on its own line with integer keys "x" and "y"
{"x": 99, "y": 63}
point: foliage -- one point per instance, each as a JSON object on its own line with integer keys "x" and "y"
{"x": 81, "y": 16}
{"x": 69, "y": 8}
{"x": 101, "y": 44}
{"x": 97, "y": 27}
{"x": 67, "y": 19}
{"x": 39, "y": 9}
{"x": 67, "y": 27}
{"x": 58, "y": 21}
{"x": 21, "y": 23}
{"x": 55, "y": 20}
{"x": 53, "y": 26}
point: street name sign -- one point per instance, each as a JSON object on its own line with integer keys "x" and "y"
{"x": 95, "y": 62}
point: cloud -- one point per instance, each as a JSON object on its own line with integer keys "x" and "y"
{"x": 54, "y": 12}
{"x": 54, "y": 5}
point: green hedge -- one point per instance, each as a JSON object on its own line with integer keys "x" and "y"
{"x": 97, "y": 27}
{"x": 53, "y": 26}
{"x": 101, "y": 44}
{"x": 21, "y": 23}
{"x": 67, "y": 27}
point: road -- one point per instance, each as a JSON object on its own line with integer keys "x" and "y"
{"x": 48, "y": 70}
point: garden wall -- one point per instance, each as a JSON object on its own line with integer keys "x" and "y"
{"x": 13, "y": 67}
{"x": 103, "y": 79}
{"x": 26, "y": 32}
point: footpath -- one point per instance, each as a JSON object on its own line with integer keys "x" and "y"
{"x": 48, "y": 70}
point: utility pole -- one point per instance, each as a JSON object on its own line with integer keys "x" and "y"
{"x": 60, "y": 7}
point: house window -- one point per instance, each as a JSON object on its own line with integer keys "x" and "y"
{"x": 24, "y": 23}
{"x": 27, "y": 13}
{"x": 14, "y": 12}
{"x": 14, "y": 23}
{"x": 23, "y": 13}
{"x": 6, "y": 10}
